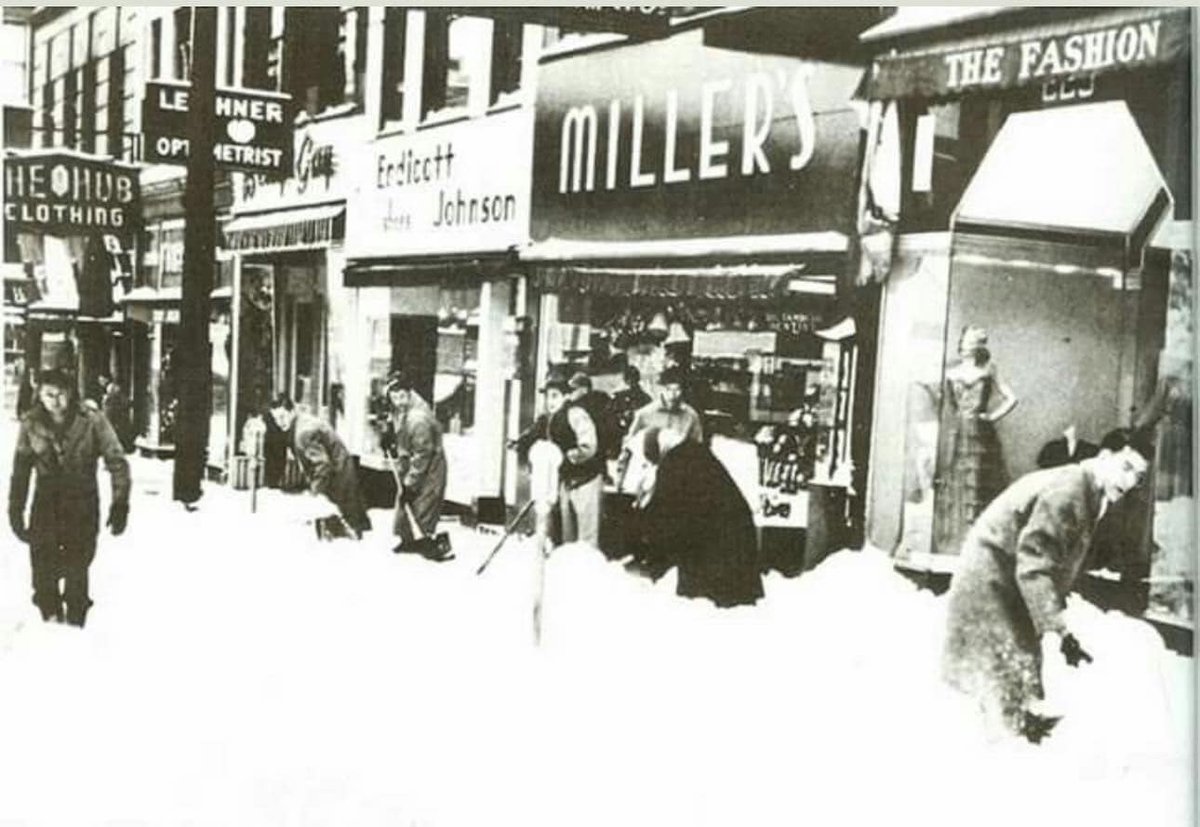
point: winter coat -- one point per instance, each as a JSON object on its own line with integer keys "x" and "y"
{"x": 66, "y": 500}
{"x": 422, "y": 464}
{"x": 698, "y": 519}
{"x": 116, "y": 410}
{"x": 328, "y": 465}
{"x": 1019, "y": 561}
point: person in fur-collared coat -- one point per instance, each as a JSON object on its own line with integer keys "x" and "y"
{"x": 1020, "y": 560}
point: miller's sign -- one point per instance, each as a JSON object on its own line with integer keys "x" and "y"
{"x": 672, "y": 138}
{"x": 253, "y": 128}
{"x": 62, "y": 193}
{"x": 1101, "y": 41}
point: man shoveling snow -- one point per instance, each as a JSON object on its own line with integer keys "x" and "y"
{"x": 1007, "y": 643}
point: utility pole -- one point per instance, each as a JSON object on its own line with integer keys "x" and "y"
{"x": 192, "y": 362}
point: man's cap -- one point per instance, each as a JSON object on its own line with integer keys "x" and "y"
{"x": 579, "y": 379}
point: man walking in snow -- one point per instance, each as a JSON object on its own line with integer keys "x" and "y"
{"x": 62, "y": 440}
{"x": 1005, "y": 628}
{"x": 325, "y": 462}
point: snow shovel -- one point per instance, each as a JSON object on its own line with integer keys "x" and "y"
{"x": 333, "y": 527}
{"x": 435, "y": 548}
{"x": 508, "y": 532}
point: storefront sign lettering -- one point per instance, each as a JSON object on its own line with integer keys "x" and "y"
{"x": 443, "y": 190}
{"x": 63, "y": 194}
{"x": 253, "y": 128}
{"x": 315, "y": 175}
{"x": 312, "y": 161}
{"x": 1047, "y": 57}
{"x": 629, "y": 138}
{"x": 764, "y": 102}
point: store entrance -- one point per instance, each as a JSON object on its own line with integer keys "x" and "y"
{"x": 415, "y": 349}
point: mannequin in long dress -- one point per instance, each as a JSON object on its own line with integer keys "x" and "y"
{"x": 972, "y": 465}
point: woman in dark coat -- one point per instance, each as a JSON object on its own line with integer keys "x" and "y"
{"x": 698, "y": 518}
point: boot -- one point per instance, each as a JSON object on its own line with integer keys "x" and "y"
{"x": 77, "y": 615}
{"x": 52, "y": 614}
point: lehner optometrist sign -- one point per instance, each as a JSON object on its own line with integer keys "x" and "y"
{"x": 63, "y": 193}
{"x": 463, "y": 187}
{"x": 1102, "y": 41}
{"x": 674, "y": 139}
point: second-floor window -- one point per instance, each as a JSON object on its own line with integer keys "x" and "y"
{"x": 256, "y": 48}
{"x": 395, "y": 33}
{"x": 182, "y": 53}
{"x": 323, "y": 56}
{"x": 453, "y": 46}
{"x": 506, "y": 58}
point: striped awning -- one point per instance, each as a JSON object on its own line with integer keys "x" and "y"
{"x": 277, "y": 230}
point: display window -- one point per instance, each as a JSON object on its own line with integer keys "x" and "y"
{"x": 773, "y": 393}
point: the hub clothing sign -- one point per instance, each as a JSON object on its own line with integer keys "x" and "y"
{"x": 672, "y": 139}
{"x": 253, "y": 128}
{"x": 463, "y": 187}
{"x": 64, "y": 194}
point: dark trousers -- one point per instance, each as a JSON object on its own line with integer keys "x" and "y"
{"x": 66, "y": 562}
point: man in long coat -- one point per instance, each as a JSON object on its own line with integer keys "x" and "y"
{"x": 324, "y": 460}
{"x": 63, "y": 440}
{"x": 1019, "y": 561}
{"x": 421, "y": 460}
{"x": 697, "y": 519}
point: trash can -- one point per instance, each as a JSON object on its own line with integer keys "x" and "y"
{"x": 827, "y": 526}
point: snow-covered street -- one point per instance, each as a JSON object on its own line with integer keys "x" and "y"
{"x": 235, "y": 671}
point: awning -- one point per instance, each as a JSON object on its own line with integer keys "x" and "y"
{"x": 731, "y": 247}
{"x": 1081, "y": 173}
{"x": 976, "y": 57}
{"x": 468, "y": 268}
{"x": 286, "y": 229}
{"x": 716, "y": 281}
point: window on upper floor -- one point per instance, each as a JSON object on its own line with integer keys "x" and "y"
{"x": 156, "y": 36}
{"x": 454, "y": 46}
{"x": 230, "y": 53}
{"x": 70, "y": 111}
{"x": 256, "y": 48}
{"x": 181, "y": 54}
{"x": 395, "y": 34}
{"x": 323, "y": 56}
{"x": 115, "y": 125}
{"x": 507, "y": 40}
{"x": 49, "y": 129}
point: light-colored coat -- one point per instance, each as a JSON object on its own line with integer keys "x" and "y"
{"x": 1019, "y": 561}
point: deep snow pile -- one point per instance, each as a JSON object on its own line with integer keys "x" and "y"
{"x": 236, "y": 671}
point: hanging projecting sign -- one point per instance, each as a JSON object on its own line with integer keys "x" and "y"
{"x": 253, "y": 128}
{"x": 463, "y": 187}
{"x": 64, "y": 193}
{"x": 1103, "y": 41}
{"x": 673, "y": 139}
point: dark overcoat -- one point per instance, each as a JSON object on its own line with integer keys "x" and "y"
{"x": 698, "y": 518}
{"x": 66, "y": 500}
{"x": 422, "y": 462}
{"x": 1019, "y": 561}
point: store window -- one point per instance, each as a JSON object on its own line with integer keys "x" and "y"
{"x": 395, "y": 34}
{"x": 431, "y": 334}
{"x": 764, "y": 380}
{"x": 454, "y": 46}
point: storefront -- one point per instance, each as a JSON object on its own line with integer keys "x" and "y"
{"x": 693, "y": 206}
{"x": 73, "y": 218}
{"x": 286, "y": 239}
{"x": 1040, "y": 163}
{"x": 433, "y": 231}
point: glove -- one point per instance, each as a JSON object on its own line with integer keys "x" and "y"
{"x": 118, "y": 517}
{"x": 408, "y": 495}
{"x": 1072, "y": 652}
{"x": 16, "y": 520}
